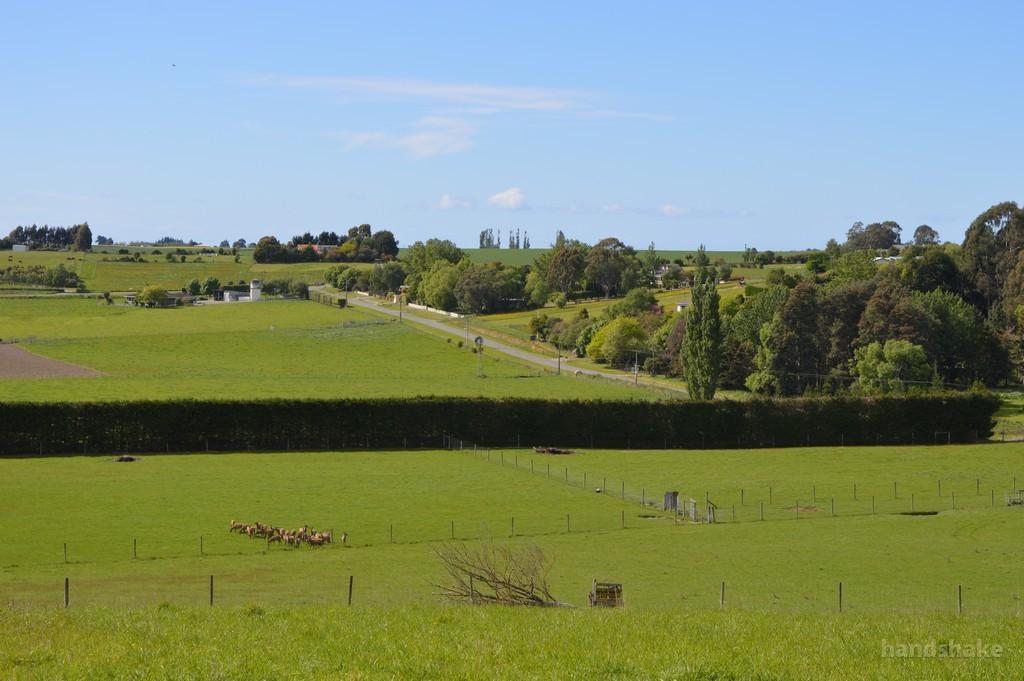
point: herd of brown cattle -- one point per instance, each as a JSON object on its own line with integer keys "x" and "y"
{"x": 302, "y": 535}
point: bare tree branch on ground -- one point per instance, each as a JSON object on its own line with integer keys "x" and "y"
{"x": 496, "y": 574}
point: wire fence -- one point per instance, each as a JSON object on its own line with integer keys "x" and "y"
{"x": 766, "y": 503}
{"x": 698, "y": 590}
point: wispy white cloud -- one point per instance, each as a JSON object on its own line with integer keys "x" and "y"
{"x": 509, "y": 199}
{"x": 435, "y": 136}
{"x": 472, "y": 94}
{"x": 449, "y": 202}
{"x": 613, "y": 208}
{"x": 460, "y": 98}
{"x": 671, "y": 210}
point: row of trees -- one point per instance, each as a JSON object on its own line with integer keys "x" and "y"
{"x": 516, "y": 239}
{"x": 361, "y": 244}
{"x": 75, "y": 237}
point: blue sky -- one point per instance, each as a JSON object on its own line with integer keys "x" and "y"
{"x": 770, "y": 124}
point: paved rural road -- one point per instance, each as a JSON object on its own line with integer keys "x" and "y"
{"x": 490, "y": 344}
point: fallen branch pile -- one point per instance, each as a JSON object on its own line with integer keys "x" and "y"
{"x": 496, "y": 574}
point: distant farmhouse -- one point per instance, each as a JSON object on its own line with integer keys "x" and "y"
{"x": 225, "y": 294}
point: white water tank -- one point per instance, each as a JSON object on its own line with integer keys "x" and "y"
{"x": 255, "y": 286}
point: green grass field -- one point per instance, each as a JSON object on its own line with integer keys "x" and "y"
{"x": 462, "y": 643}
{"x": 102, "y": 272}
{"x": 398, "y": 506}
{"x": 147, "y": 613}
{"x": 262, "y": 350}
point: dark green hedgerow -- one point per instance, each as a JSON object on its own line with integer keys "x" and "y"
{"x": 197, "y": 425}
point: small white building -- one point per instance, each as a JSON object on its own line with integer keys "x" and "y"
{"x": 236, "y": 297}
{"x": 20, "y": 248}
{"x": 255, "y": 287}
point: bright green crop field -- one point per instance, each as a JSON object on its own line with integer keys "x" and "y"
{"x": 261, "y": 350}
{"x": 139, "y": 579}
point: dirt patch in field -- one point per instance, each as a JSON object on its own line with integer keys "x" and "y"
{"x": 804, "y": 509}
{"x": 17, "y": 362}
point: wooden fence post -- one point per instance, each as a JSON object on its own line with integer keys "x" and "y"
{"x": 350, "y": 578}
{"x": 211, "y": 590}
{"x": 67, "y": 592}
{"x": 840, "y": 596}
{"x": 762, "y": 510}
{"x": 721, "y": 597}
{"x": 959, "y": 599}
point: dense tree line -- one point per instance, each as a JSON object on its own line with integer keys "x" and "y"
{"x": 360, "y": 244}
{"x": 869, "y": 315}
{"x": 75, "y": 237}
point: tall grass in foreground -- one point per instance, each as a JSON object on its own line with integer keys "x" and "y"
{"x": 167, "y": 642}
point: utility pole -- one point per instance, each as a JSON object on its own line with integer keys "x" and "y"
{"x": 558, "y": 349}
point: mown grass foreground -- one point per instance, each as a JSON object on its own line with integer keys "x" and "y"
{"x": 252, "y": 642}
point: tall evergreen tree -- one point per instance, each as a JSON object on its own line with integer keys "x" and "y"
{"x": 702, "y": 346}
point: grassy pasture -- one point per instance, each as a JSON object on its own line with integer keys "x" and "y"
{"x": 281, "y": 613}
{"x": 464, "y": 643}
{"x": 102, "y": 272}
{"x": 267, "y": 349}
{"x": 887, "y": 561}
